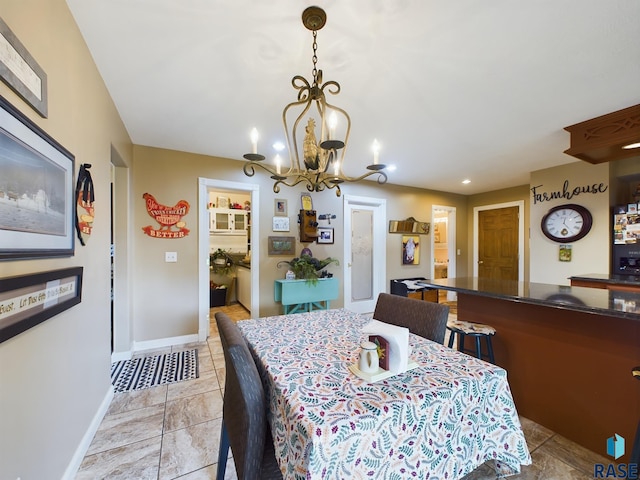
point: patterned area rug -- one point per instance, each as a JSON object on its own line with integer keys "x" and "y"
{"x": 145, "y": 372}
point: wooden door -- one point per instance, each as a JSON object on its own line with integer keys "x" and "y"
{"x": 498, "y": 243}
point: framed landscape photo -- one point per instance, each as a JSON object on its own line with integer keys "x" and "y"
{"x": 282, "y": 245}
{"x": 37, "y": 204}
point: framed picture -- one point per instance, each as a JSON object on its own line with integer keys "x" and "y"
{"x": 306, "y": 201}
{"x": 37, "y": 204}
{"x": 564, "y": 253}
{"x": 20, "y": 71}
{"x": 281, "y": 245}
{"x": 325, "y": 235}
{"x": 632, "y": 208}
{"x": 280, "y": 224}
{"x": 223, "y": 202}
{"x": 31, "y": 299}
{"x": 410, "y": 249}
{"x": 280, "y": 207}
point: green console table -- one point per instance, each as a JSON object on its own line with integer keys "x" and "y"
{"x": 303, "y": 296}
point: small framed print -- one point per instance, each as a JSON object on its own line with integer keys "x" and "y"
{"x": 410, "y": 250}
{"x": 280, "y": 224}
{"x": 223, "y": 202}
{"x": 280, "y": 207}
{"x": 325, "y": 235}
{"x": 281, "y": 245}
{"x": 306, "y": 201}
{"x": 632, "y": 208}
{"x": 564, "y": 253}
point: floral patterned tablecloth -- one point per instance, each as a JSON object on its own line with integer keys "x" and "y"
{"x": 438, "y": 421}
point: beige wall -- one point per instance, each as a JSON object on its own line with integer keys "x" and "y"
{"x": 166, "y": 294}
{"x": 54, "y": 377}
{"x": 590, "y": 254}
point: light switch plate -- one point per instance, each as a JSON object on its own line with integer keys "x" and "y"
{"x": 170, "y": 257}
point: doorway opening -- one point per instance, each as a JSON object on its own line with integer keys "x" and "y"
{"x": 443, "y": 245}
{"x": 229, "y": 239}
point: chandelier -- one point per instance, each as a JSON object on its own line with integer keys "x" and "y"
{"x": 318, "y": 164}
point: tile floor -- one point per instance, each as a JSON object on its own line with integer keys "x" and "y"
{"x": 173, "y": 431}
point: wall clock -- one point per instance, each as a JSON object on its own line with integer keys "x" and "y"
{"x": 566, "y": 223}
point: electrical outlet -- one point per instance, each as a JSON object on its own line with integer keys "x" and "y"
{"x": 170, "y": 257}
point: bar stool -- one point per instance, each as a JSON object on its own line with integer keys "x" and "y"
{"x": 477, "y": 330}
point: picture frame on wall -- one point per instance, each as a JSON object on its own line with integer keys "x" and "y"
{"x": 410, "y": 249}
{"x": 32, "y": 299}
{"x": 280, "y": 207}
{"x": 37, "y": 204}
{"x": 281, "y": 245}
{"x": 325, "y": 235}
{"x": 20, "y": 71}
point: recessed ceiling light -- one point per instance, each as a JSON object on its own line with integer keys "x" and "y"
{"x": 632, "y": 145}
{"x": 391, "y": 168}
{"x": 466, "y": 180}
{"x": 278, "y": 146}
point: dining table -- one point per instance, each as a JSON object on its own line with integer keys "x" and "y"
{"x": 439, "y": 420}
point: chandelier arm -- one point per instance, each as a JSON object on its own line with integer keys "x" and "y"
{"x": 332, "y": 87}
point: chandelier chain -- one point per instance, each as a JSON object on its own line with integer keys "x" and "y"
{"x": 314, "y": 72}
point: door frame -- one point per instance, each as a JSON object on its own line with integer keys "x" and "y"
{"x": 203, "y": 247}
{"x": 451, "y": 240}
{"x": 495, "y": 206}
{"x": 379, "y": 208}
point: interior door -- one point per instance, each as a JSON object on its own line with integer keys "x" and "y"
{"x": 364, "y": 256}
{"x": 498, "y": 243}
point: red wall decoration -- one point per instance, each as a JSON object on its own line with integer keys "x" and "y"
{"x": 169, "y": 218}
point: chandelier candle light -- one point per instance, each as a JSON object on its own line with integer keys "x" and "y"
{"x": 322, "y": 160}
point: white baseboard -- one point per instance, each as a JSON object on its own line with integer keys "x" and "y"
{"x": 74, "y": 465}
{"x": 118, "y": 356}
{"x": 165, "y": 342}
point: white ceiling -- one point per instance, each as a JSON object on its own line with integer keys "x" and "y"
{"x": 451, "y": 89}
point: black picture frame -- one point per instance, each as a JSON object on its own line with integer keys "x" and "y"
{"x": 20, "y": 71}
{"x": 325, "y": 235}
{"x": 38, "y": 182}
{"x": 29, "y": 300}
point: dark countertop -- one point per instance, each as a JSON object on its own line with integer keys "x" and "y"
{"x": 609, "y": 279}
{"x": 583, "y": 299}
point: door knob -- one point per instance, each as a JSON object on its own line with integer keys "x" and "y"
{"x": 480, "y": 261}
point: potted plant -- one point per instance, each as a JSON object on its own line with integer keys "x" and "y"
{"x": 306, "y": 267}
{"x": 221, "y": 263}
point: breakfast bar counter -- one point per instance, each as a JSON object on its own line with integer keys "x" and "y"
{"x": 568, "y": 351}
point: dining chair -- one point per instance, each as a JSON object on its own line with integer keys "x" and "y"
{"x": 244, "y": 411}
{"x": 427, "y": 319}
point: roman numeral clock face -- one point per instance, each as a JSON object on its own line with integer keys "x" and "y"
{"x": 566, "y": 223}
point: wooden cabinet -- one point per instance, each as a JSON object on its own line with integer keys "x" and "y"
{"x": 227, "y": 220}
{"x": 303, "y": 296}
